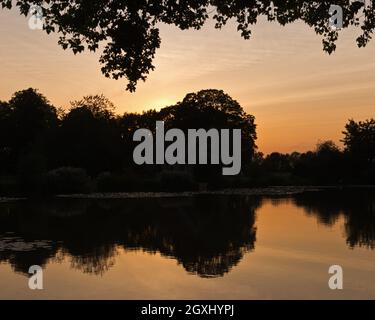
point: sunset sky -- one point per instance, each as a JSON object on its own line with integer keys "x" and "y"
{"x": 298, "y": 94}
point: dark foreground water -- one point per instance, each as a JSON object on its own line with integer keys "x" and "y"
{"x": 212, "y": 247}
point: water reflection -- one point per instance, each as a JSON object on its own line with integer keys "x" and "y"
{"x": 207, "y": 236}
{"x": 357, "y": 208}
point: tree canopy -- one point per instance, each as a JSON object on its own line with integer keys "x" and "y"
{"x": 130, "y": 35}
{"x": 90, "y": 146}
{"x": 359, "y": 140}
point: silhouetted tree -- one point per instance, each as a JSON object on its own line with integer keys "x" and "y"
{"x": 213, "y": 109}
{"x": 43, "y": 148}
{"x": 325, "y": 165}
{"x": 330, "y": 162}
{"x": 129, "y": 28}
{"x": 128, "y": 124}
{"x": 32, "y": 117}
{"x": 88, "y": 136}
{"x": 5, "y": 141}
{"x": 205, "y": 109}
{"x": 360, "y": 140}
{"x": 208, "y": 109}
{"x": 277, "y": 162}
{"x": 359, "y": 143}
{"x": 28, "y": 122}
{"x": 98, "y": 105}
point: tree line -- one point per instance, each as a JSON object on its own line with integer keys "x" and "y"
{"x": 44, "y": 149}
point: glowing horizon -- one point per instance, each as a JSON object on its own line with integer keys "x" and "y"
{"x": 298, "y": 94}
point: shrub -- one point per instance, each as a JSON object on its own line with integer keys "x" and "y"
{"x": 9, "y": 186}
{"x": 177, "y": 181}
{"x": 31, "y": 173}
{"x": 127, "y": 182}
{"x": 110, "y": 182}
{"x": 67, "y": 180}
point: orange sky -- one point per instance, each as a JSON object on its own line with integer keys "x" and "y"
{"x": 298, "y": 94}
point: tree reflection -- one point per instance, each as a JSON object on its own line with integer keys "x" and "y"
{"x": 356, "y": 206}
{"x": 206, "y": 235}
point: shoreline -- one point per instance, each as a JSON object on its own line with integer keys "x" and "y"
{"x": 265, "y": 191}
{"x": 261, "y": 191}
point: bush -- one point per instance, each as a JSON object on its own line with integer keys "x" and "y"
{"x": 110, "y": 182}
{"x": 177, "y": 181}
{"x": 67, "y": 180}
{"x": 31, "y": 173}
{"x": 9, "y": 186}
{"x": 127, "y": 182}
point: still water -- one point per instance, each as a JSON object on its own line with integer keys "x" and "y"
{"x": 202, "y": 247}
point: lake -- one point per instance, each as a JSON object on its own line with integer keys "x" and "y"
{"x": 198, "y": 247}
